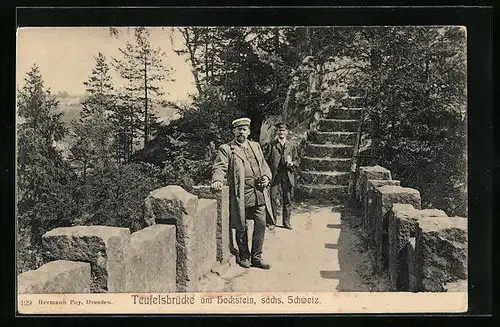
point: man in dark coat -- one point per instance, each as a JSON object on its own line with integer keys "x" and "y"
{"x": 283, "y": 159}
{"x": 248, "y": 177}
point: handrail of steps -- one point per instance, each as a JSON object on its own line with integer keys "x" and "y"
{"x": 356, "y": 156}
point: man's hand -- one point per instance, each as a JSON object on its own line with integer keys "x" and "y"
{"x": 216, "y": 186}
{"x": 265, "y": 181}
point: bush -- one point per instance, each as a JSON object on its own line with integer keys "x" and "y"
{"x": 114, "y": 195}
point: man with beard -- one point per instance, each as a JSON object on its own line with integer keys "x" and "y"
{"x": 241, "y": 161}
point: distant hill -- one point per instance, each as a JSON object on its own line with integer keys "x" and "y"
{"x": 70, "y": 106}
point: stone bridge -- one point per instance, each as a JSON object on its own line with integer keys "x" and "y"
{"x": 188, "y": 245}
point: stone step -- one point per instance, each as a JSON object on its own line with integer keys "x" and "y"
{"x": 325, "y": 177}
{"x": 351, "y": 102}
{"x": 321, "y": 193}
{"x": 337, "y": 125}
{"x": 332, "y": 137}
{"x": 329, "y": 150}
{"x": 325, "y": 164}
{"x": 343, "y": 113}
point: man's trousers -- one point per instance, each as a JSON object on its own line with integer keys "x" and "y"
{"x": 258, "y": 214}
{"x": 282, "y": 183}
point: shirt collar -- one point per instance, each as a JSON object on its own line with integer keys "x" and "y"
{"x": 282, "y": 142}
{"x": 244, "y": 144}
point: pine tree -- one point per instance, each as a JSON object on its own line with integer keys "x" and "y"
{"x": 93, "y": 132}
{"x": 99, "y": 88}
{"x": 143, "y": 69}
{"x": 45, "y": 182}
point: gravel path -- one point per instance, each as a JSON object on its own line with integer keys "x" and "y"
{"x": 323, "y": 253}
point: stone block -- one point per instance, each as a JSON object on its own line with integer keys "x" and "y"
{"x": 403, "y": 221}
{"x": 223, "y": 236}
{"x": 371, "y": 184}
{"x": 167, "y": 203}
{"x": 458, "y": 286}
{"x": 367, "y": 173}
{"x": 325, "y": 164}
{"x": 384, "y": 197}
{"x": 196, "y": 226}
{"x": 332, "y": 137}
{"x": 412, "y": 265}
{"x": 328, "y": 150}
{"x": 337, "y": 125}
{"x": 102, "y": 246}
{"x": 202, "y": 244}
{"x": 440, "y": 252}
{"x": 151, "y": 260}
{"x": 56, "y": 277}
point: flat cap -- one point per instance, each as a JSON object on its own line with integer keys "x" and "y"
{"x": 241, "y": 122}
{"x": 281, "y": 124}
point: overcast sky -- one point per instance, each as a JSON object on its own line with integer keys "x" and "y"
{"x": 65, "y": 56}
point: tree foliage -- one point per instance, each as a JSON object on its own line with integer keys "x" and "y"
{"x": 45, "y": 182}
{"x": 94, "y": 136}
{"x": 141, "y": 65}
{"x": 416, "y": 95}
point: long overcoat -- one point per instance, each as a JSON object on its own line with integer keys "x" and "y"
{"x": 230, "y": 162}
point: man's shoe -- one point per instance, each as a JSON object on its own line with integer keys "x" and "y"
{"x": 245, "y": 263}
{"x": 261, "y": 264}
{"x": 287, "y": 226}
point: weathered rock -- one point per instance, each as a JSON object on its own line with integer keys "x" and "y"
{"x": 374, "y": 183}
{"x": 352, "y": 101}
{"x": 375, "y": 172}
{"x": 167, "y": 203}
{"x": 338, "y": 125}
{"x": 366, "y": 173}
{"x": 223, "y": 236}
{"x": 325, "y": 177}
{"x": 457, "y": 286}
{"x": 325, "y": 164}
{"x": 329, "y": 150}
{"x": 196, "y": 225}
{"x": 332, "y": 137}
{"x": 403, "y": 221}
{"x": 102, "y": 246}
{"x": 441, "y": 252}
{"x": 344, "y": 113}
{"x": 322, "y": 193}
{"x": 151, "y": 260}
{"x": 56, "y": 277}
{"x": 412, "y": 265}
{"x": 383, "y": 199}
{"x": 201, "y": 243}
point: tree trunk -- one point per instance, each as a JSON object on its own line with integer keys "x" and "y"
{"x": 146, "y": 127}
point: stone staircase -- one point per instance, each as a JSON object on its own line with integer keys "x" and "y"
{"x": 327, "y": 156}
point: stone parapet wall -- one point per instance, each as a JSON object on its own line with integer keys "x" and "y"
{"x": 151, "y": 260}
{"x": 186, "y": 237}
{"x": 56, "y": 277}
{"x": 103, "y": 247}
{"x": 224, "y": 241}
{"x": 420, "y": 249}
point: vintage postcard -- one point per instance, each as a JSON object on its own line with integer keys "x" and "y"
{"x": 241, "y": 170}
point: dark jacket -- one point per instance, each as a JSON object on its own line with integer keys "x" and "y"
{"x": 273, "y": 157}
